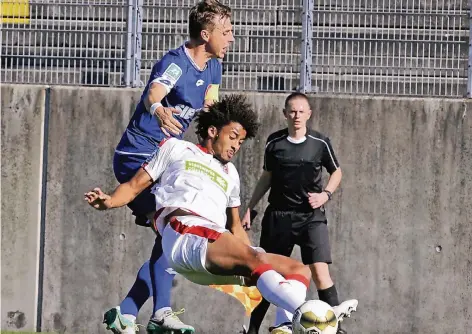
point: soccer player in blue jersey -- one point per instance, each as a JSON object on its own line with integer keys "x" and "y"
{"x": 182, "y": 83}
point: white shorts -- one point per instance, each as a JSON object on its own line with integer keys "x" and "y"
{"x": 185, "y": 243}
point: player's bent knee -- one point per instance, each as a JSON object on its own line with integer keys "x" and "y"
{"x": 256, "y": 259}
{"x": 301, "y": 269}
{"x": 305, "y": 271}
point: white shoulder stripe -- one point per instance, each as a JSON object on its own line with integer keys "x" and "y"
{"x": 274, "y": 140}
{"x": 327, "y": 146}
{"x": 133, "y": 153}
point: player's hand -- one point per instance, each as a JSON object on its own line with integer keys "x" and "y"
{"x": 246, "y": 222}
{"x": 98, "y": 199}
{"x": 316, "y": 200}
{"x": 167, "y": 122}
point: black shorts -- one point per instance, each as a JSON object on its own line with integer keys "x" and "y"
{"x": 281, "y": 230}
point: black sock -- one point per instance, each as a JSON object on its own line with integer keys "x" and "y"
{"x": 329, "y": 295}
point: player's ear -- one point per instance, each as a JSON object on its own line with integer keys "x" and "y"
{"x": 284, "y": 111}
{"x": 205, "y": 35}
{"x": 212, "y": 132}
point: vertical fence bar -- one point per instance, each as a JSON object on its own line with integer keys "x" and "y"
{"x": 469, "y": 68}
{"x": 137, "y": 40}
{"x": 129, "y": 65}
{"x": 307, "y": 46}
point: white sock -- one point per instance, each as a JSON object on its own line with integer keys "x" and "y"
{"x": 277, "y": 290}
{"x": 282, "y": 315}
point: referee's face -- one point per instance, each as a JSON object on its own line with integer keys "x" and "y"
{"x": 228, "y": 141}
{"x": 298, "y": 112}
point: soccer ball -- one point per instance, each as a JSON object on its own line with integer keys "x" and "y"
{"x": 315, "y": 317}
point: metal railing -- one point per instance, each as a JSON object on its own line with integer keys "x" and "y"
{"x": 389, "y": 47}
{"x": 67, "y": 42}
{"x": 264, "y": 57}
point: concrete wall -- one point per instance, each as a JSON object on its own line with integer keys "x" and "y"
{"x": 399, "y": 226}
{"x": 88, "y": 263}
{"x": 406, "y": 191}
{"x": 22, "y": 159}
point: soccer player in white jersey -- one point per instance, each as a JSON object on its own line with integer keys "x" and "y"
{"x": 197, "y": 209}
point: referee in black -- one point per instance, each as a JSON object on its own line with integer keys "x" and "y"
{"x": 293, "y": 162}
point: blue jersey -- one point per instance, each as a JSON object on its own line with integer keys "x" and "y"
{"x": 187, "y": 86}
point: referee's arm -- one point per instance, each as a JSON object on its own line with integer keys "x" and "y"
{"x": 233, "y": 224}
{"x": 263, "y": 185}
{"x": 330, "y": 162}
{"x": 334, "y": 180}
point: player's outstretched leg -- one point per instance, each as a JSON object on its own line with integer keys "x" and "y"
{"x": 281, "y": 280}
{"x": 164, "y": 320}
{"x": 207, "y": 254}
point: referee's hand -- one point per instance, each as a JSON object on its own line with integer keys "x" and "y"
{"x": 246, "y": 222}
{"x": 316, "y": 200}
{"x": 248, "y": 218}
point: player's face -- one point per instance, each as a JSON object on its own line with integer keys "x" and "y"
{"x": 220, "y": 37}
{"x": 297, "y": 113}
{"x": 229, "y": 141}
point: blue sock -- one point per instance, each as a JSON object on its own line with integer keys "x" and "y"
{"x": 139, "y": 293}
{"x": 161, "y": 277}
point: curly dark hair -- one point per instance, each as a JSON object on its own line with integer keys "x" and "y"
{"x": 232, "y": 108}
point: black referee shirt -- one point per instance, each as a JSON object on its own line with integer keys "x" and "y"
{"x": 296, "y": 169}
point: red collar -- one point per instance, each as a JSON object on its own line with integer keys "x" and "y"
{"x": 204, "y": 149}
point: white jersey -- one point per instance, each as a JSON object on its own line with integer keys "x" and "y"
{"x": 191, "y": 179}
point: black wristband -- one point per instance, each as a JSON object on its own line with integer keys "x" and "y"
{"x": 329, "y": 193}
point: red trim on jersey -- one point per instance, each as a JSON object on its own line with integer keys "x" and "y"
{"x": 204, "y": 149}
{"x": 300, "y": 278}
{"x": 201, "y": 231}
{"x": 163, "y": 141}
{"x": 260, "y": 270}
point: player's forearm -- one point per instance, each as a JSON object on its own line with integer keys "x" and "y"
{"x": 263, "y": 185}
{"x": 156, "y": 94}
{"x": 334, "y": 181}
{"x": 122, "y": 195}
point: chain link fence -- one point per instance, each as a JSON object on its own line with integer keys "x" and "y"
{"x": 389, "y": 47}
{"x": 393, "y": 47}
{"x": 66, "y": 42}
{"x": 264, "y": 57}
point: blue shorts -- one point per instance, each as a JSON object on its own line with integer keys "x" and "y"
{"x": 125, "y": 167}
